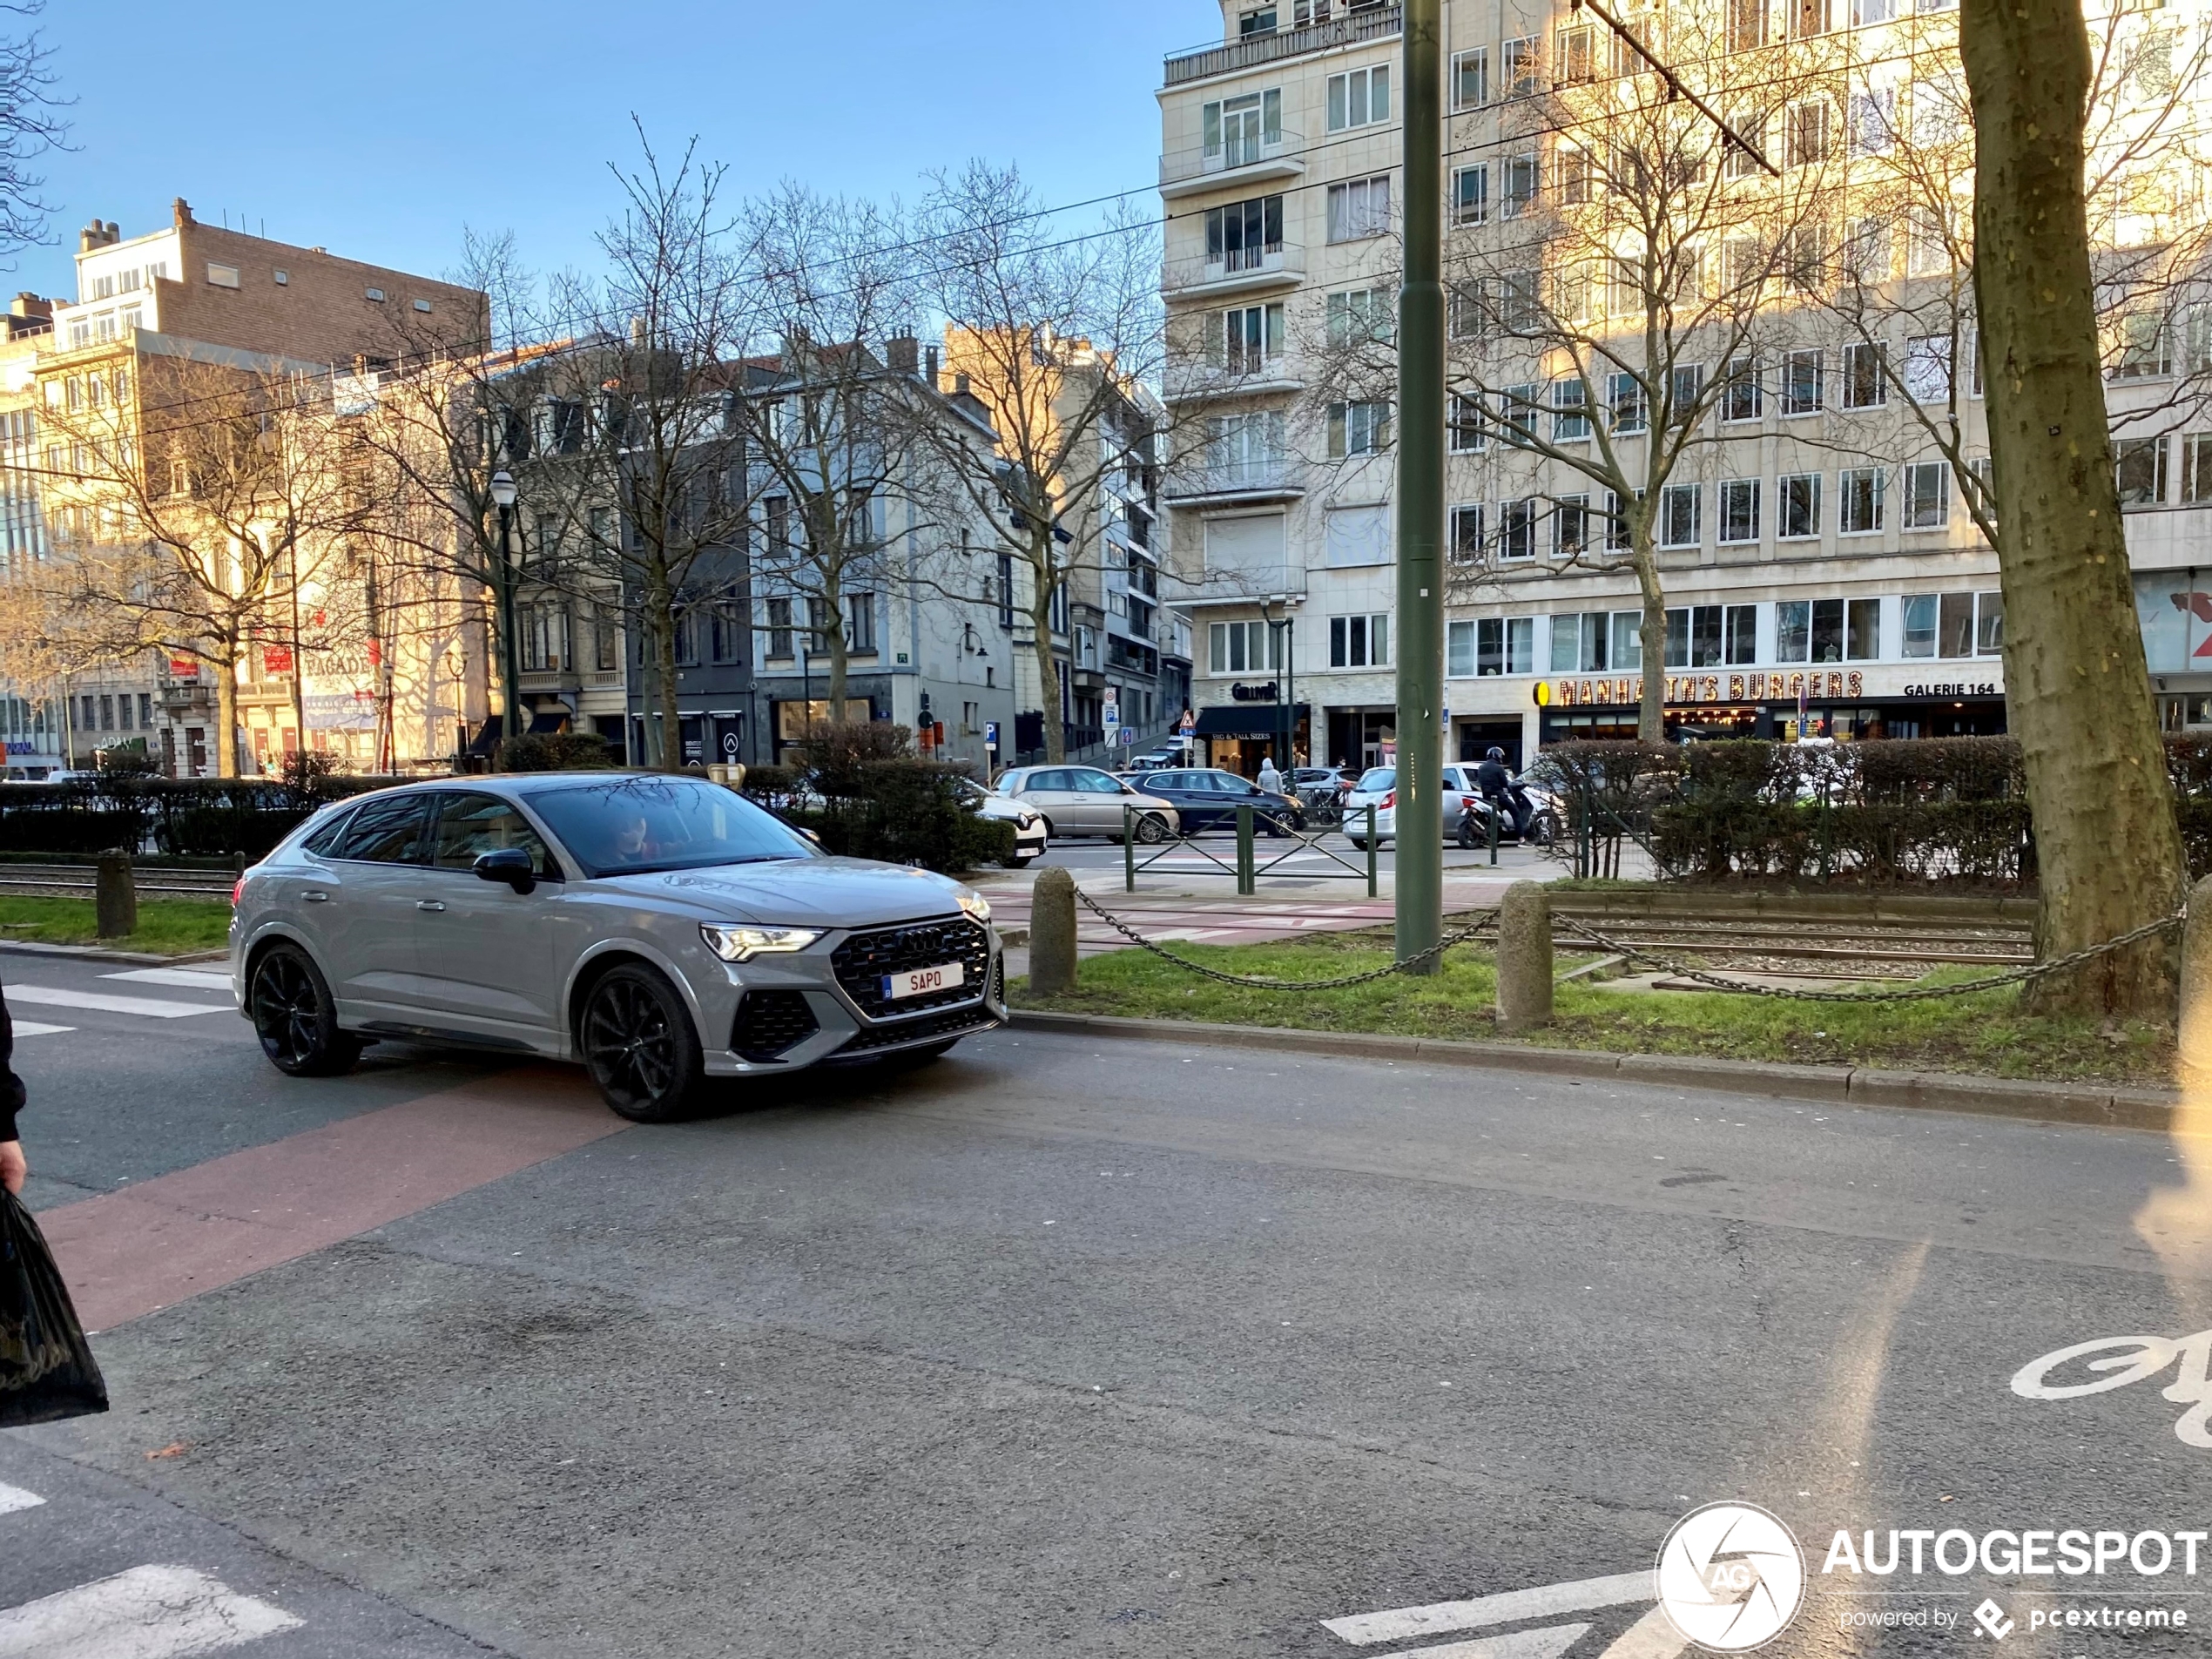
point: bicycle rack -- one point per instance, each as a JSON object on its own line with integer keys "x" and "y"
{"x": 1247, "y": 869}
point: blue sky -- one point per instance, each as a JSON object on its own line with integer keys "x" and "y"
{"x": 380, "y": 130}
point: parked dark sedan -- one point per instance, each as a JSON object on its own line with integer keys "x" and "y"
{"x": 1207, "y": 797}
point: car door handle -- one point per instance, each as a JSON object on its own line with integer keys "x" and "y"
{"x": 428, "y": 903}
{"x": 315, "y": 896}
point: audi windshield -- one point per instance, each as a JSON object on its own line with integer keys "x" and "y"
{"x": 635, "y": 825}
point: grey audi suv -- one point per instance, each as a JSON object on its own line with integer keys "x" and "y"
{"x": 660, "y": 929}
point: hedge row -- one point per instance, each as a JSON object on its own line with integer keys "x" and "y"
{"x": 1907, "y": 810}
{"x": 171, "y": 817}
{"x": 901, "y": 811}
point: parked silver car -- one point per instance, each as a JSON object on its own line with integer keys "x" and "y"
{"x": 659, "y": 929}
{"x": 1379, "y": 786}
{"x": 1083, "y": 800}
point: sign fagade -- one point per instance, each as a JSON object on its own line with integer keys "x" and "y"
{"x": 1704, "y": 688}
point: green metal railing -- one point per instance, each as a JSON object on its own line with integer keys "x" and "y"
{"x": 1247, "y": 869}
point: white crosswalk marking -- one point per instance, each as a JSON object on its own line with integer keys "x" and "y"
{"x": 147, "y": 1612}
{"x": 15, "y": 1498}
{"x": 1547, "y": 1600}
{"x": 33, "y": 1028}
{"x": 196, "y": 978}
{"x": 55, "y": 996}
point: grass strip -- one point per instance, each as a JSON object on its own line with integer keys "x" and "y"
{"x": 166, "y": 927}
{"x": 1987, "y": 1032}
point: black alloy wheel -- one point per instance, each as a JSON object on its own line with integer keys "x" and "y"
{"x": 639, "y": 1045}
{"x": 296, "y": 1017}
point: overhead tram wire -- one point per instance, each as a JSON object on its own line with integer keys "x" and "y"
{"x": 609, "y": 321}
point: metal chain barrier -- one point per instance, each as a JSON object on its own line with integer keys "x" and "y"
{"x": 1581, "y": 930}
{"x": 1917, "y": 993}
{"x": 1185, "y": 963}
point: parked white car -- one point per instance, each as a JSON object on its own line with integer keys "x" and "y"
{"x": 1029, "y": 837}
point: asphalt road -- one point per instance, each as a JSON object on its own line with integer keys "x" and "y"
{"x": 1067, "y": 1347}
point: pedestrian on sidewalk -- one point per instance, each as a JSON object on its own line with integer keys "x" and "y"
{"x": 1269, "y": 779}
{"x": 14, "y": 1167}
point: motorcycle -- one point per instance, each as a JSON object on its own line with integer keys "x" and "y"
{"x": 1521, "y": 806}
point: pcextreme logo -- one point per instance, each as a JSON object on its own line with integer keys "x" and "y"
{"x": 1730, "y": 1576}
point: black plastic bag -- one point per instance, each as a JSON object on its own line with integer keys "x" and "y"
{"x": 46, "y": 1367}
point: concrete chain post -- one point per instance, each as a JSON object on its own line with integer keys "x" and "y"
{"x": 2194, "y": 1067}
{"x": 1052, "y": 933}
{"x": 1524, "y": 958}
{"x": 114, "y": 897}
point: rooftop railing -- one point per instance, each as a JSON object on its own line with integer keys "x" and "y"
{"x": 1363, "y": 23}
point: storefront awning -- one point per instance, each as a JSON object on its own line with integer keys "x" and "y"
{"x": 545, "y": 722}
{"x": 1247, "y": 719}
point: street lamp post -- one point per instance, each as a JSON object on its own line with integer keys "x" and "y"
{"x": 1285, "y": 653}
{"x": 503, "y": 495}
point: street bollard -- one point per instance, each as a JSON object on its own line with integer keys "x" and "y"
{"x": 1372, "y": 854}
{"x": 114, "y": 897}
{"x": 2195, "y": 1067}
{"x": 1493, "y": 831}
{"x": 1524, "y": 958}
{"x": 1052, "y": 933}
{"x": 1247, "y": 879}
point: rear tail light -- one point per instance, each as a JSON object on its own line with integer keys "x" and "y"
{"x": 1388, "y": 801}
{"x": 238, "y": 891}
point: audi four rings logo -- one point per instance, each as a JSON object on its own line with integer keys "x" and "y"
{"x": 1730, "y": 1576}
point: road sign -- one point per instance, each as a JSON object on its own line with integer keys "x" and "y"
{"x": 991, "y": 735}
{"x": 1129, "y": 736}
{"x": 1187, "y": 731}
{"x": 730, "y": 744}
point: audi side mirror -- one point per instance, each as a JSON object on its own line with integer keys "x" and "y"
{"x": 509, "y": 864}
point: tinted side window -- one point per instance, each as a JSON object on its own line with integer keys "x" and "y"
{"x": 1049, "y": 780}
{"x": 327, "y": 837}
{"x": 470, "y": 826}
{"x": 1096, "y": 782}
{"x": 1168, "y": 781}
{"x": 388, "y": 832}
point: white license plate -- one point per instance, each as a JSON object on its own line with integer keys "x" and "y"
{"x": 921, "y": 982}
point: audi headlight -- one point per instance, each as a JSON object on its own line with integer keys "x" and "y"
{"x": 743, "y": 944}
{"x": 976, "y": 906}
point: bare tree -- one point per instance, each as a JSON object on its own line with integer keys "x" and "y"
{"x": 1642, "y": 267}
{"x": 30, "y": 125}
{"x": 193, "y": 513}
{"x": 1057, "y": 336}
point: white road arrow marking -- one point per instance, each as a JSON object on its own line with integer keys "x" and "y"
{"x": 147, "y": 1612}
{"x": 15, "y": 1498}
{"x": 1547, "y": 1642}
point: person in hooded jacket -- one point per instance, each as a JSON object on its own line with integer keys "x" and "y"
{"x": 13, "y": 1165}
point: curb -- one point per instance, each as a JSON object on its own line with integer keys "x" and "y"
{"x": 99, "y": 954}
{"x": 2095, "y": 1105}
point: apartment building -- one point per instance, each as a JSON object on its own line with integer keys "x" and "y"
{"x": 1823, "y": 570}
{"x": 200, "y": 294}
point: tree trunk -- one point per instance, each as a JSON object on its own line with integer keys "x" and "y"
{"x": 227, "y": 716}
{"x": 1651, "y": 635}
{"x": 2107, "y": 849}
{"x": 840, "y": 653}
{"x": 660, "y": 612}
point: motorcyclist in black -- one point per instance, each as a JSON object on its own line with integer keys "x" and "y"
{"x": 1496, "y": 785}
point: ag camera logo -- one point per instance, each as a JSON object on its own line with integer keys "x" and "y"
{"x": 1730, "y": 1576}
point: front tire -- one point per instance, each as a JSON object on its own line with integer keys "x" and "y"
{"x": 639, "y": 1046}
{"x": 296, "y": 1017}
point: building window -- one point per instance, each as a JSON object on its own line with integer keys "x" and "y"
{"x": 2145, "y": 347}
{"x": 860, "y": 626}
{"x": 1359, "y": 97}
{"x": 1357, "y": 430}
{"x": 1797, "y": 500}
{"x": 1954, "y": 625}
{"x": 1627, "y": 405}
{"x": 1740, "y": 510}
{"x": 1357, "y": 210}
{"x": 1927, "y": 496}
{"x": 1250, "y": 338}
{"x": 1521, "y": 67}
{"x": 2197, "y": 467}
{"x": 1828, "y": 631}
{"x": 1517, "y": 529}
{"x": 422, "y": 306}
{"x": 145, "y": 710}
{"x": 1238, "y": 130}
{"x": 1571, "y": 176}
{"x": 1863, "y": 385}
{"x": 1579, "y": 642}
{"x": 1471, "y": 195}
{"x": 375, "y": 294}
{"x": 1808, "y": 135}
{"x": 1859, "y": 490}
{"x": 779, "y": 629}
{"x": 1927, "y": 368}
{"x": 1469, "y": 432}
{"x": 1244, "y": 648}
{"x": 1570, "y": 413}
{"x": 1005, "y": 591}
{"x": 1471, "y": 78}
{"x": 1919, "y": 609}
{"x": 1741, "y": 400}
{"x": 1490, "y": 647}
{"x": 1801, "y": 383}
{"x": 1243, "y": 235}
{"x": 1710, "y": 635}
{"x": 1520, "y": 186}
{"x": 1466, "y": 543}
{"x": 1570, "y": 526}
{"x": 222, "y": 276}
{"x": 1359, "y": 642}
{"x": 1259, "y": 22}
{"x": 1678, "y": 516}
{"x": 2139, "y": 468}
{"x": 1357, "y": 316}
{"x": 606, "y": 642}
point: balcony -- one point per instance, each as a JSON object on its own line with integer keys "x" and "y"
{"x": 1237, "y": 270}
{"x": 1234, "y": 162}
{"x": 1236, "y": 479}
{"x": 1212, "y": 383}
{"x": 1360, "y": 22}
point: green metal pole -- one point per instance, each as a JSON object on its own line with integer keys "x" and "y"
{"x": 1420, "y": 494}
{"x": 1128, "y": 851}
{"x": 1372, "y": 853}
{"x": 1246, "y": 882}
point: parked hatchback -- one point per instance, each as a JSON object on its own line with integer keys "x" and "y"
{"x": 1083, "y": 800}
{"x": 1379, "y": 785}
{"x": 661, "y": 930}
